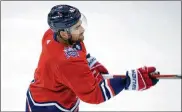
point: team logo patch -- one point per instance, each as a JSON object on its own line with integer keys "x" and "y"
{"x": 70, "y": 52}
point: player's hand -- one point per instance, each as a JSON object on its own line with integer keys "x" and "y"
{"x": 140, "y": 79}
{"x": 96, "y": 67}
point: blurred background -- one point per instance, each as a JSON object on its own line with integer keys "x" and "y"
{"x": 122, "y": 35}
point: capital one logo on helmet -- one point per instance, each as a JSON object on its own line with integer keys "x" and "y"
{"x": 72, "y": 10}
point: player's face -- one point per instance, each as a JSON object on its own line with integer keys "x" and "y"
{"x": 77, "y": 32}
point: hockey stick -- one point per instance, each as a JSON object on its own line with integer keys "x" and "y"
{"x": 163, "y": 76}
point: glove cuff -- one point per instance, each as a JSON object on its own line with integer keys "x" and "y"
{"x": 91, "y": 60}
{"x": 133, "y": 82}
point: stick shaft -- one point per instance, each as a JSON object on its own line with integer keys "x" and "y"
{"x": 162, "y": 76}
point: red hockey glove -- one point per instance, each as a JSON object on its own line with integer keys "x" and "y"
{"x": 140, "y": 79}
{"x": 96, "y": 67}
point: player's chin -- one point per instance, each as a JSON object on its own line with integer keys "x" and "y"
{"x": 81, "y": 38}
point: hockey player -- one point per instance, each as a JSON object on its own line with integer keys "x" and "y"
{"x": 66, "y": 73}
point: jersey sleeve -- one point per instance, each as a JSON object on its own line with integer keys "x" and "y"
{"x": 78, "y": 77}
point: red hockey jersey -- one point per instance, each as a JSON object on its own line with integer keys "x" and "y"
{"x": 63, "y": 76}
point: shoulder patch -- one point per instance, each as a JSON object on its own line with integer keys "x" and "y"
{"x": 70, "y": 52}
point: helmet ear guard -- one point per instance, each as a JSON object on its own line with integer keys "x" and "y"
{"x": 65, "y": 30}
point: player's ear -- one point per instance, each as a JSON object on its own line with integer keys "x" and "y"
{"x": 63, "y": 34}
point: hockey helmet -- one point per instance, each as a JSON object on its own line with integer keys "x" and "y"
{"x": 63, "y": 16}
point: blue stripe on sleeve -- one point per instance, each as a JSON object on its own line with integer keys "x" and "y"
{"x": 103, "y": 90}
{"x": 107, "y": 91}
{"x": 117, "y": 84}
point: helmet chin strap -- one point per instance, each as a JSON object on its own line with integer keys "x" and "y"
{"x": 69, "y": 40}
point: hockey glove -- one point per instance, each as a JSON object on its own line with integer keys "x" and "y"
{"x": 140, "y": 79}
{"x": 96, "y": 67}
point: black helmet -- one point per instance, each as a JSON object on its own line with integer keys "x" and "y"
{"x": 63, "y": 16}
